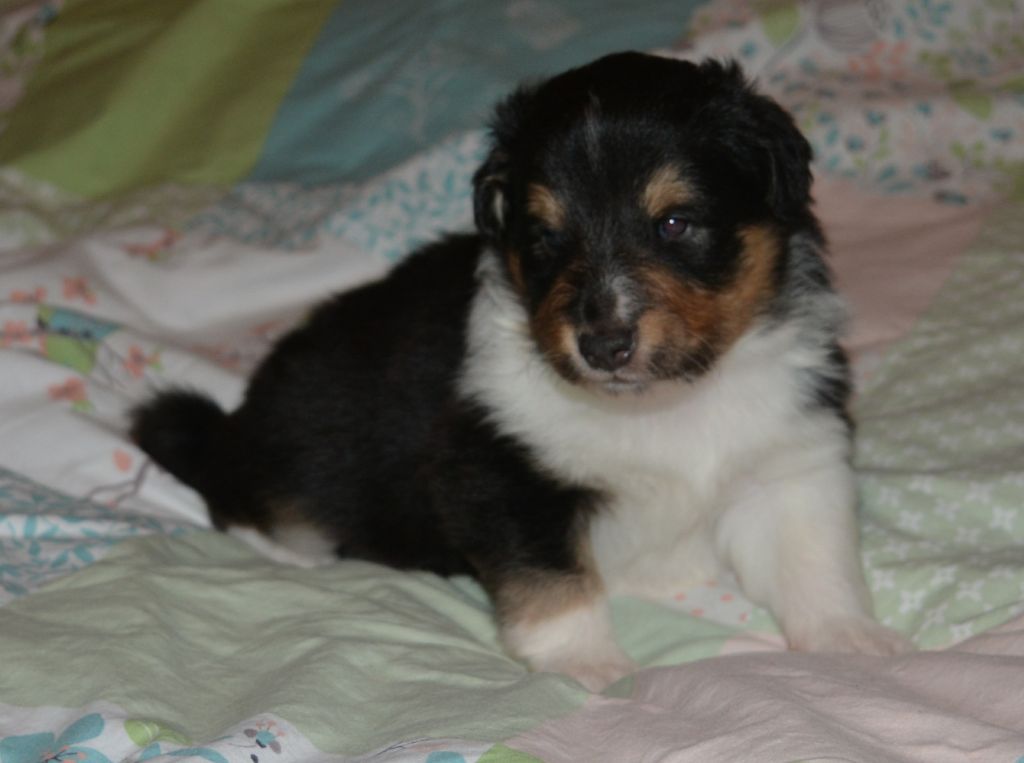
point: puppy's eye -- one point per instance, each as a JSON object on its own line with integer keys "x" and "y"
{"x": 552, "y": 239}
{"x": 672, "y": 227}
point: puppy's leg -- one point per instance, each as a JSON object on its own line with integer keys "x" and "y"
{"x": 558, "y": 622}
{"x": 526, "y": 536}
{"x": 792, "y": 539}
{"x": 296, "y": 545}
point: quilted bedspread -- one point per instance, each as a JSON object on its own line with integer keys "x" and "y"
{"x": 179, "y": 182}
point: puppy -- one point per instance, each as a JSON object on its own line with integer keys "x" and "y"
{"x": 627, "y": 380}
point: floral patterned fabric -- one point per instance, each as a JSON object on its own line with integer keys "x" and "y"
{"x": 916, "y": 97}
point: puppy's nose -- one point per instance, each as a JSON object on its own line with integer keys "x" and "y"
{"x": 607, "y": 350}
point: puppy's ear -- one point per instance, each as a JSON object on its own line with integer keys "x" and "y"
{"x": 490, "y": 196}
{"x": 492, "y": 182}
{"x": 785, "y": 159}
{"x": 762, "y": 138}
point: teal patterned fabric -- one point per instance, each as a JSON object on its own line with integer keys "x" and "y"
{"x": 45, "y": 534}
{"x": 386, "y": 216}
{"x": 47, "y": 746}
{"x": 386, "y": 80}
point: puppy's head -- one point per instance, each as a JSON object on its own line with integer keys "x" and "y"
{"x": 640, "y": 206}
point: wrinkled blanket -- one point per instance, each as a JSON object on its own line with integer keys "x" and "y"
{"x": 173, "y": 198}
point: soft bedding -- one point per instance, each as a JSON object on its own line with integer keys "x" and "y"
{"x": 180, "y": 182}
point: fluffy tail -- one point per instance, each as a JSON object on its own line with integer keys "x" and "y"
{"x": 177, "y": 429}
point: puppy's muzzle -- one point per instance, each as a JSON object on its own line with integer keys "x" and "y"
{"x": 607, "y": 349}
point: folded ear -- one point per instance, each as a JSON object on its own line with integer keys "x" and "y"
{"x": 762, "y": 140}
{"x": 492, "y": 182}
{"x": 786, "y": 159}
{"x": 490, "y": 196}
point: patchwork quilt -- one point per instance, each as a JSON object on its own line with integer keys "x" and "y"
{"x": 180, "y": 182}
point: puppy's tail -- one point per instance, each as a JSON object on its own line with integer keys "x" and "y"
{"x": 178, "y": 430}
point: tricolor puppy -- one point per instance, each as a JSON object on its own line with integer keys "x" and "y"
{"x": 627, "y": 380}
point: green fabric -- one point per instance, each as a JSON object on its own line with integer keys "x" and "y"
{"x": 940, "y": 452}
{"x": 130, "y": 93}
{"x": 198, "y": 634}
{"x": 502, "y": 754}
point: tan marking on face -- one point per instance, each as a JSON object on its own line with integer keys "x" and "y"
{"x": 688, "y": 316}
{"x": 664, "y": 190}
{"x": 542, "y": 203}
{"x": 515, "y": 269}
{"x": 550, "y": 326}
{"x": 682, "y": 320}
{"x": 755, "y": 283}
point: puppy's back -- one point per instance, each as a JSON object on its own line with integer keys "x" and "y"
{"x": 338, "y": 419}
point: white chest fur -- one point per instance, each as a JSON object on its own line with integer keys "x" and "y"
{"x": 670, "y": 461}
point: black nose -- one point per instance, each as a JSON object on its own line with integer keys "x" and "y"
{"x": 607, "y": 350}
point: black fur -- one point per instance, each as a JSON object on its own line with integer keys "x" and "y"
{"x": 177, "y": 429}
{"x": 354, "y": 422}
{"x": 831, "y": 386}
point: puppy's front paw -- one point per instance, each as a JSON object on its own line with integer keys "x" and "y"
{"x": 850, "y": 635}
{"x": 595, "y": 674}
{"x": 576, "y": 642}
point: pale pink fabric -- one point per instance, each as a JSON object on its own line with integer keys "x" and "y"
{"x": 890, "y": 254}
{"x": 961, "y": 704}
